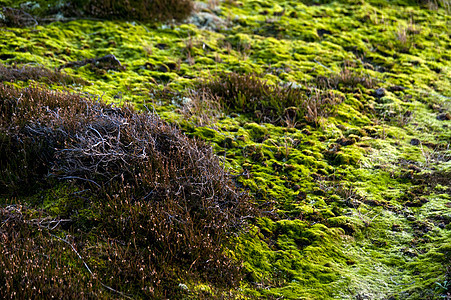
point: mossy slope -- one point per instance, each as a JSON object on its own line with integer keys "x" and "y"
{"x": 356, "y": 205}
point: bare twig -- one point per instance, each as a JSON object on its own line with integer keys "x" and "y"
{"x": 80, "y": 178}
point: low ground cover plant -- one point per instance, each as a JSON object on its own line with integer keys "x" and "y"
{"x": 250, "y": 94}
{"x": 160, "y": 206}
{"x": 139, "y": 10}
{"x": 36, "y": 73}
{"x": 33, "y": 13}
{"x": 346, "y": 79}
{"x": 355, "y": 205}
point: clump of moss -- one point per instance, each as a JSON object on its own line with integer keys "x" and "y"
{"x": 160, "y": 204}
{"x": 284, "y": 105}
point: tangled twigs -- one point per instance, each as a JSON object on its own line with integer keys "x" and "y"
{"x": 164, "y": 197}
{"x": 13, "y": 17}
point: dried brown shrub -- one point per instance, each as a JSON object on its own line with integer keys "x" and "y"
{"x": 41, "y": 74}
{"x": 201, "y": 107}
{"x": 160, "y": 204}
{"x": 13, "y": 17}
{"x": 33, "y": 264}
{"x": 284, "y": 105}
{"x": 140, "y": 10}
{"x": 347, "y": 78}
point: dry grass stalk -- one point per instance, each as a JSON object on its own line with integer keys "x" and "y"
{"x": 276, "y": 104}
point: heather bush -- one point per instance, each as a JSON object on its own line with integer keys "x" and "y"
{"x": 33, "y": 264}
{"x": 140, "y": 10}
{"x": 36, "y": 73}
{"x": 285, "y": 105}
{"x": 160, "y": 206}
{"x": 12, "y": 17}
{"x": 346, "y": 79}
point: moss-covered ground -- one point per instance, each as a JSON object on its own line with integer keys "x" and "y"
{"x": 356, "y": 205}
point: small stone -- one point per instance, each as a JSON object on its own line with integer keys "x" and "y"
{"x": 444, "y": 117}
{"x": 411, "y": 218}
{"x": 110, "y": 60}
{"x": 163, "y": 69}
{"x": 396, "y": 227}
{"x": 380, "y": 92}
{"x": 345, "y": 141}
{"x": 415, "y": 142}
{"x": 306, "y": 132}
{"x": 207, "y": 20}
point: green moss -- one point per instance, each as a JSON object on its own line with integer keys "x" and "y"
{"x": 322, "y": 239}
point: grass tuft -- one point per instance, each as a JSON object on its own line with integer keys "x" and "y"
{"x": 346, "y": 79}
{"x": 285, "y": 105}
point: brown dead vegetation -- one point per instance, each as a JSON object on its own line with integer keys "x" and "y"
{"x": 132, "y": 10}
{"x": 36, "y": 73}
{"x": 159, "y": 204}
{"x": 285, "y": 105}
{"x": 346, "y": 79}
{"x": 13, "y": 17}
{"x": 139, "y": 10}
{"x": 33, "y": 264}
